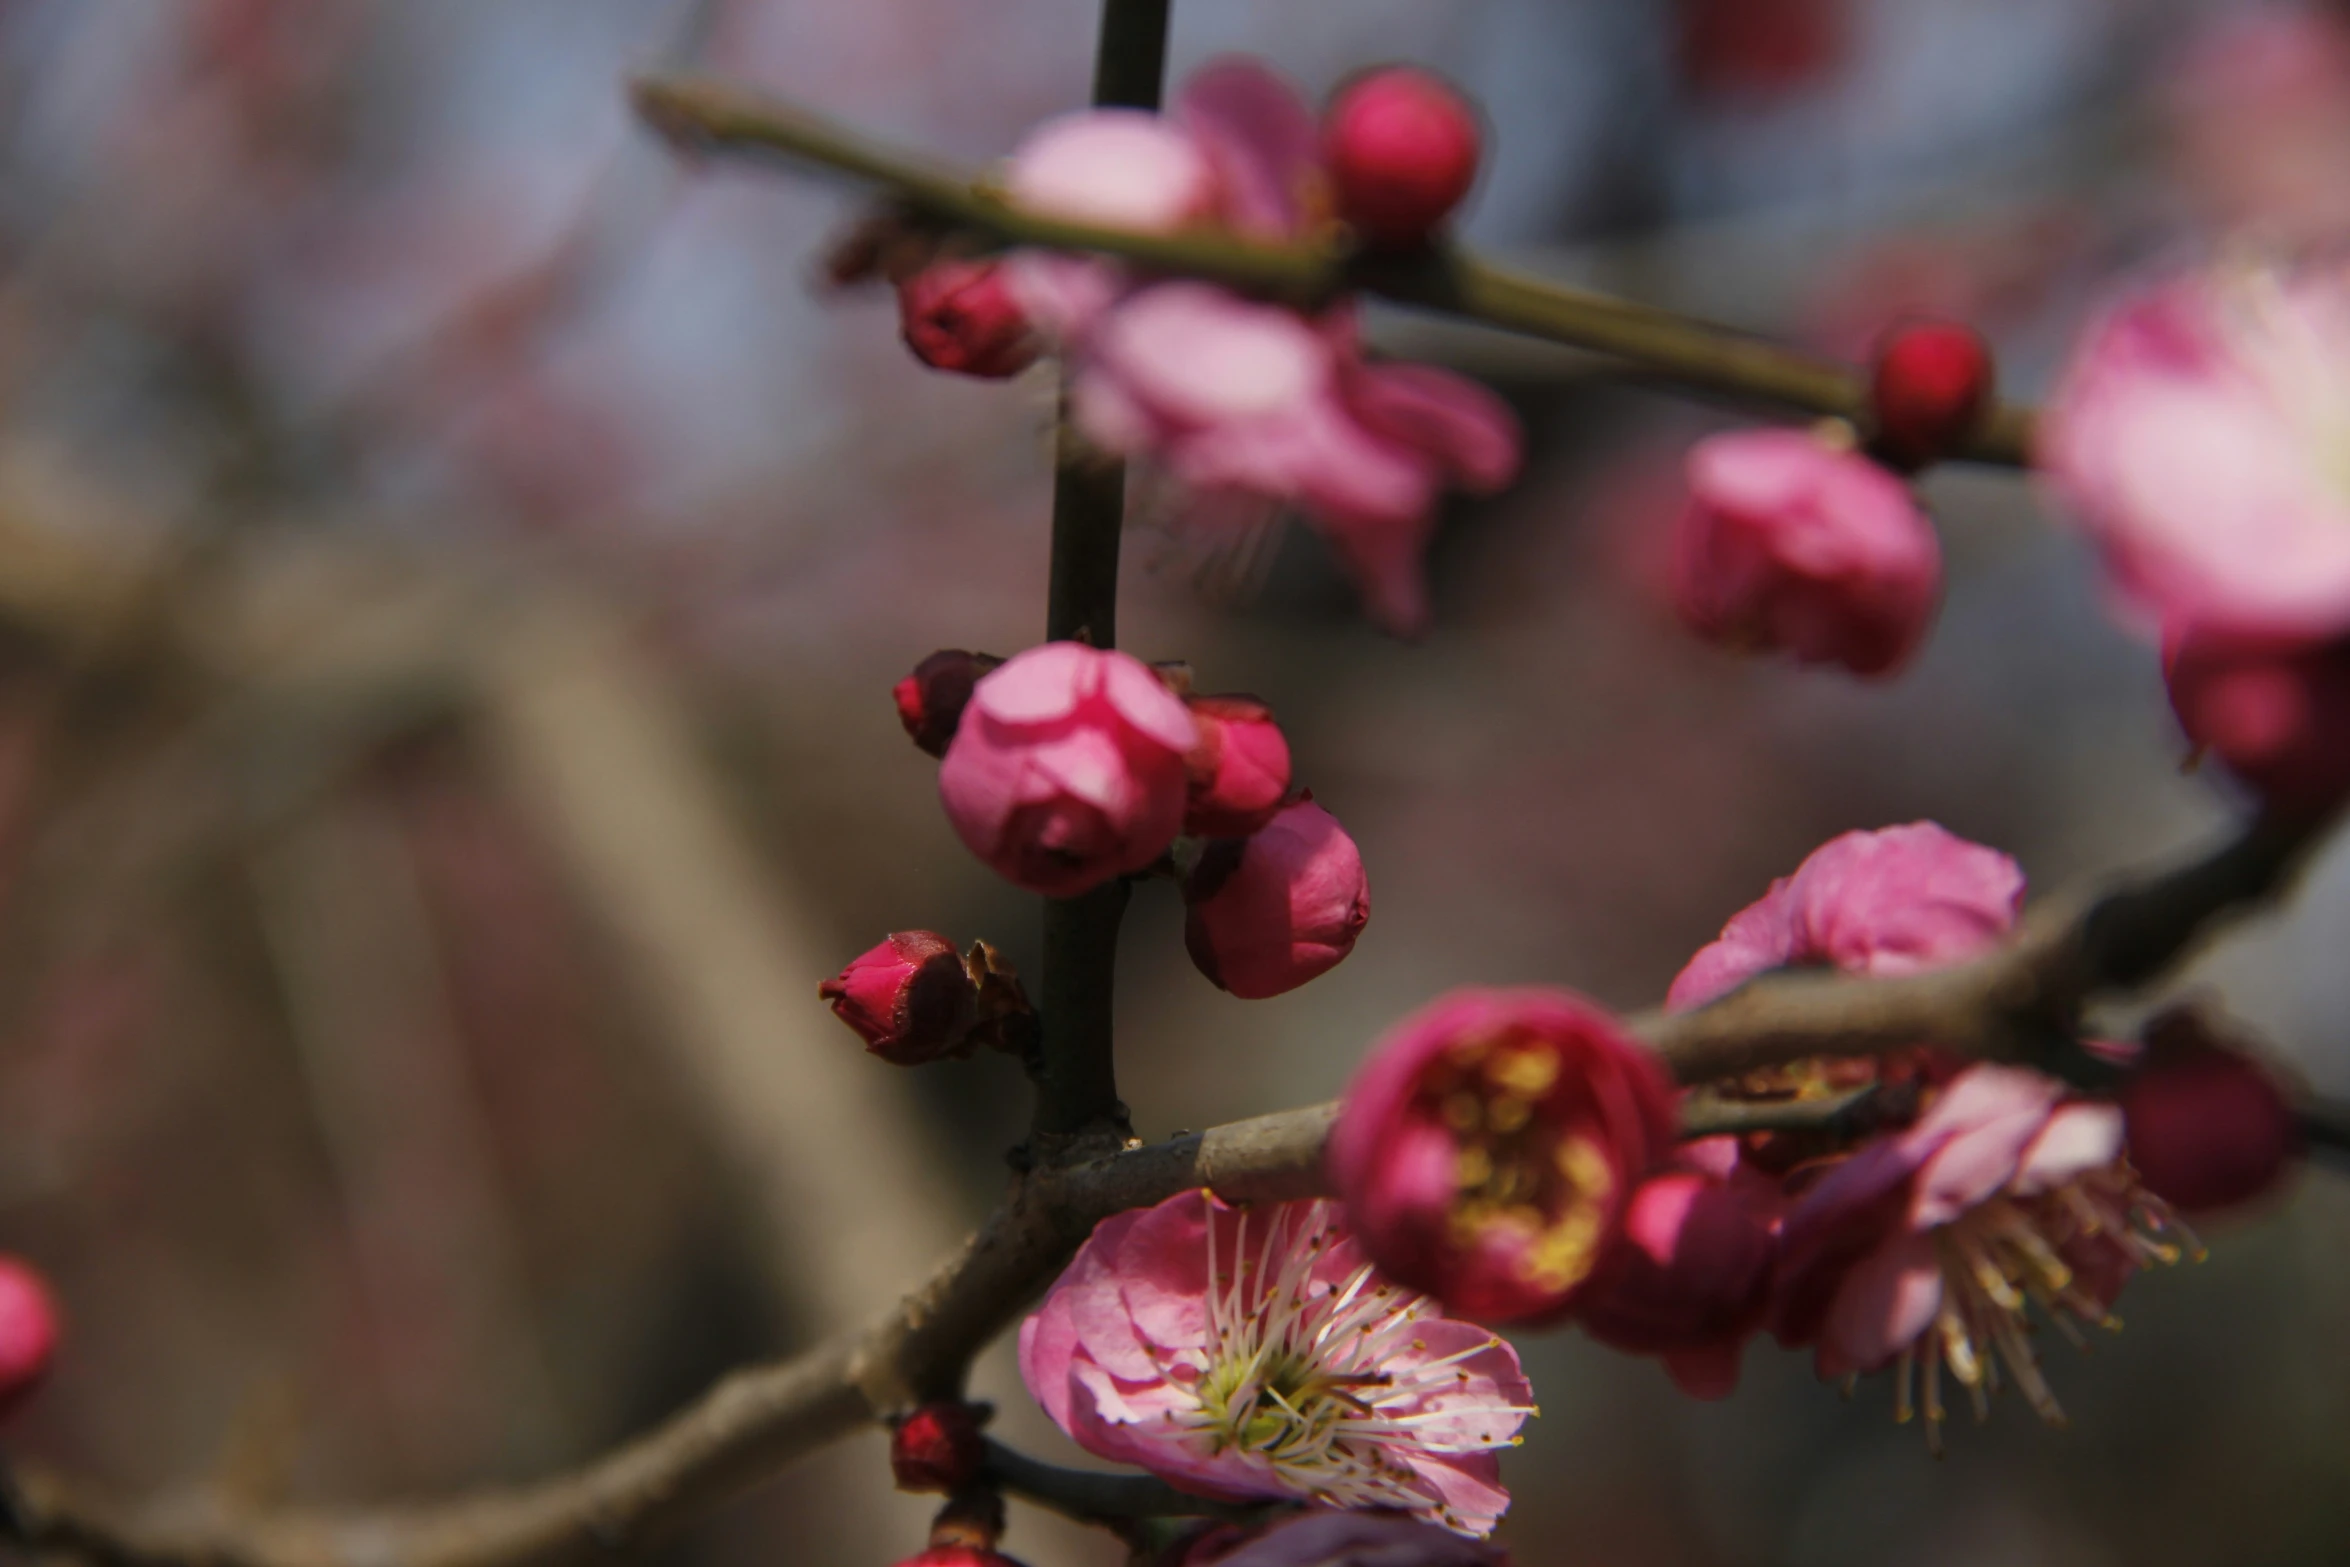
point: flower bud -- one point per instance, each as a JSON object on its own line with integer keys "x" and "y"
{"x": 1401, "y": 148}
{"x": 1688, "y": 1280}
{"x": 28, "y": 1332}
{"x": 2275, "y": 710}
{"x": 1238, "y": 774}
{"x": 1791, "y": 544}
{"x": 1931, "y": 388}
{"x": 2207, "y": 1128}
{"x": 1266, "y": 913}
{"x": 1067, "y": 768}
{"x": 910, "y": 998}
{"x": 958, "y": 1555}
{"x": 931, "y": 699}
{"x": 963, "y": 316}
{"x": 1323, "y": 1538}
{"x": 937, "y": 1448}
{"x": 1487, "y": 1148}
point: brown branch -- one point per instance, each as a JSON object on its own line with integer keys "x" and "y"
{"x": 2029, "y": 992}
{"x": 718, "y": 116}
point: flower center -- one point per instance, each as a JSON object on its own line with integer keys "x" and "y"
{"x": 1514, "y": 1172}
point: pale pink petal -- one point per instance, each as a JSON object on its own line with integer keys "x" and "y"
{"x": 1144, "y": 701}
{"x": 2077, "y": 1139}
{"x": 1469, "y": 432}
{"x": 1122, "y": 168}
{"x": 1890, "y": 1297}
{"x": 1041, "y": 685}
{"x": 1257, "y": 131}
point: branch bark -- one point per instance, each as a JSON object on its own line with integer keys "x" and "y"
{"x": 716, "y": 116}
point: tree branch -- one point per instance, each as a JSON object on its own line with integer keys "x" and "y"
{"x": 717, "y": 116}
{"x": 1091, "y": 1496}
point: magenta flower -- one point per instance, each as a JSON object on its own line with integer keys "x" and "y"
{"x": 1901, "y": 900}
{"x": 2275, "y": 710}
{"x": 1487, "y": 1148}
{"x": 1231, "y": 396}
{"x": 1257, "y": 1354}
{"x": 2198, "y": 436}
{"x": 1067, "y": 768}
{"x": 1794, "y": 545}
{"x": 1265, "y": 913}
{"x": 1689, "y": 1279}
{"x": 1239, "y": 771}
{"x": 1926, "y": 1250}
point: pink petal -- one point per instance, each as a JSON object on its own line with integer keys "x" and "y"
{"x": 1985, "y": 1120}
{"x": 1121, "y": 168}
{"x": 1890, "y": 1297}
{"x": 1040, "y": 685}
{"x": 2077, "y": 1139}
{"x": 1198, "y": 355}
{"x": 1144, "y": 701}
{"x": 1470, "y": 433}
{"x": 1257, "y": 131}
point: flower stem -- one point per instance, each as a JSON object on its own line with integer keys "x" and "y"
{"x": 1078, "y": 1085}
{"x": 1682, "y": 349}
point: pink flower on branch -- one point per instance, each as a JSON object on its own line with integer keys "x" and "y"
{"x": 2198, "y": 435}
{"x": 1689, "y": 1279}
{"x": 1067, "y": 768}
{"x": 1258, "y": 1354}
{"x": 1239, "y": 771}
{"x": 1927, "y": 1250}
{"x": 1266, "y": 913}
{"x": 1488, "y": 1147}
{"x": 1232, "y": 396}
{"x": 1794, "y": 545}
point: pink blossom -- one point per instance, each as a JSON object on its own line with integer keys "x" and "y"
{"x": 1239, "y": 771}
{"x": 2275, "y": 710}
{"x": 1924, "y": 1250}
{"x": 1266, "y": 913}
{"x": 1234, "y": 397}
{"x": 1900, "y": 900}
{"x": 1794, "y": 545}
{"x": 1327, "y": 1539}
{"x": 1487, "y": 1148}
{"x": 910, "y": 998}
{"x": 1067, "y": 768}
{"x": 1689, "y": 1278}
{"x": 1257, "y": 1353}
{"x": 2208, "y": 1127}
{"x": 29, "y": 1333}
{"x": 2197, "y": 436}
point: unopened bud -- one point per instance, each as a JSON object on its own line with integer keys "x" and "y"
{"x": 1266, "y": 913}
{"x": 962, "y": 316}
{"x": 931, "y": 699}
{"x": 1401, "y": 148}
{"x": 1931, "y": 389}
{"x": 28, "y": 1332}
{"x": 1238, "y": 774}
{"x": 937, "y": 1448}
{"x": 910, "y": 998}
{"x": 2208, "y": 1128}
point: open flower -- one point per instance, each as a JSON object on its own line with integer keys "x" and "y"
{"x": 2202, "y": 436}
{"x": 1257, "y": 1353}
{"x": 1900, "y": 900}
{"x": 1791, "y": 544}
{"x": 1930, "y": 1249}
{"x": 1689, "y": 1278}
{"x": 1067, "y": 768}
{"x": 1232, "y": 396}
{"x": 1488, "y": 1146}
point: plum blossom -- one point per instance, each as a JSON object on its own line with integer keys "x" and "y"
{"x": 1328, "y": 1539}
{"x": 1067, "y": 768}
{"x": 1258, "y": 1354}
{"x": 2275, "y": 710}
{"x": 909, "y": 998}
{"x": 1239, "y": 771}
{"x": 1900, "y": 900}
{"x": 1689, "y": 1279}
{"x": 1488, "y": 1146}
{"x": 2201, "y": 435}
{"x": 2209, "y": 1129}
{"x": 1929, "y": 1250}
{"x": 1792, "y": 544}
{"x": 1265, "y": 913}
{"x": 1233, "y": 397}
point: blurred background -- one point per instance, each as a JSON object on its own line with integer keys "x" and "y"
{"x": 453, "y": 562}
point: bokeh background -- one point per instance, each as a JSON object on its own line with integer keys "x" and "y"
{"x": 453, "y": 561}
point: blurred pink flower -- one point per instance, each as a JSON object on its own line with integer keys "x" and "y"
{"x": 2275, "y": 710}
{"x": 1689, "y": 1278}
{"x": 1239, "y": 771}
{"x": 1234, "y": 396}
{"x": 2208, "y": 1127}
{"x": 1067, "y": 768}
{"x": 2198, "y": 435}
{"x": 1900, "y": 900}
{"x": 964, "y": 316}
{"x": 1256, "y": 1353}
{"x": 2257, "y": 104}
{"x": 1326, "y": 1539}
{"x": 28, "y": 1333}
{"x": 1790, "y": 544}
{"x": 1266, "y": 913}
{"x": 1488, "y": 1146}
{"x": 1924, "y": 1249}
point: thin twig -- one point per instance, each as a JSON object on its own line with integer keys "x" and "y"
{"x": 719, "y": 116}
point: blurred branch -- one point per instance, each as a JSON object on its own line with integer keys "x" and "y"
{"x": 714, "y": 115}
{"x": 1852, "y": 1114}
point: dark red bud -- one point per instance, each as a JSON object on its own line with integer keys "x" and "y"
{"x": 931, "y": 699}
{"x": 962, "y": 316}
{"x": 1931, "y": 389}
{"x": 937, "y": 1448}
{"x": 2208, "y": 1127}
{"x": 910, "y": 998}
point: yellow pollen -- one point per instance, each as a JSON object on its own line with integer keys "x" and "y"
{"x": 1473, "y": 1168}
{"x": 1526, "y": 1072}
{"x": 1509, "y": 1114}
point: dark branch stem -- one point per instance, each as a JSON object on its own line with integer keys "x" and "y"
{"x": 715, "y": 115}
{"x": 1091, "y": 1496}
{"x": 1077, "y": 1088}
